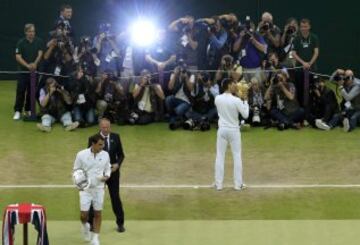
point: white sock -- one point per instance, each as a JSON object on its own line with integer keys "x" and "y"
{"x": 84, "y": 226}
{"x": 95, "y": 236}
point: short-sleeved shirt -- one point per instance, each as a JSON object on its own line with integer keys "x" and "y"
{"x": 252, "y": 57}
{"x": 275, "y": 31}
{"x": 305, "y": 47}
{"x": 28, "y": 50}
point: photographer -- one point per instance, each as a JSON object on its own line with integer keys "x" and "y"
{"x": 107, "y": 49}
{"x": 225, "y": 69}
{"x": 161, "y": 57}
{"x": 217, "y": 40}
{"x": 349, "y": 87}
{"x": 112, "y": 102}
{"x": 258, "y": 112}
{"x": 181, "y": 85}
{"x": 84, "y": 97}
{"x": 65, "y": 17}
{"x": 203, "y": 110}
{"x": 187, "y": 42}
{"x": 284, "y": 106}
{"x": 323, "y": 104}
{"x": 149, "y": 99}
{"x": 55, "y": 103}
{"x": 287, "y": 42}
{"x": 58, "y": 58}
{"x": 251, "y": 49}
{"x": 270, "y": 32}
{"x": 271, "y": 65}
{"x": 85, "y": 56}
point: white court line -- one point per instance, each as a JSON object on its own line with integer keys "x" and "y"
{"x": 136, "y": 186}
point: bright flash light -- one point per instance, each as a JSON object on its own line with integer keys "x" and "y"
{"x": 143, "y": 32}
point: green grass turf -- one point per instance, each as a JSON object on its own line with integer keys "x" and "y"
{"x": 155, "y": 155}
{"x": 210, "y": 232}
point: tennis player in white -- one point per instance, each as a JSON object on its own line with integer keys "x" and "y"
{"x": 96, "y": 163}
{"x": 228, "y": 108}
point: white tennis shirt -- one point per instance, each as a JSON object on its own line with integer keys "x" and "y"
{"x": 228, "y": 108}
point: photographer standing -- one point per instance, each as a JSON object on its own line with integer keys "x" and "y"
{"x": 106, "y": 48}
{"x": 187, "y": 42}
{"x": 251, "y": 49}
{"x": 64, "y": 18}
{"x": 284, "y": 107}
{"x": 58, "y": 58}
{"x": 228, "y": 108}
{"x": 28, "y": 54}
{"x": 181, "y": 85}
{"x": 55, "y": 102}
{"x": 287, "y": 42}
{"x": 149, "y": 99}
{"x": 161, "y": 57}
{"x": 270, "y": 32}
{"x": 85, "y": 57}
{"x": 217, "y": 40}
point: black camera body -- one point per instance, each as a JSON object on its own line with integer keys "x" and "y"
{"x": 266, "y": 26}
{"x": 291, "y": 30}
{"x": 182, "y": 66}
{"x": 338, "y": 78}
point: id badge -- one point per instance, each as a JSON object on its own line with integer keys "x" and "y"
{"x": 305, "y": 45}
{"x": 243, "y": 52}
{"x": 97, "y": 62}
{"x": 348, "y": 104}
{"x": 108, "y": 58}
{"x": 57, "y": 71}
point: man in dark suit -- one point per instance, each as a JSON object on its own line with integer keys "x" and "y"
{"x": 113, "y": 146}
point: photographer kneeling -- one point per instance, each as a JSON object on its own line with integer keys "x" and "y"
{"x": 323, "y": 104}
{"x": 112, "y": 102}
{"x": 349, "y": 87}
{"x": 55, "y": 103}
{"x": 149, "y": 100}
{"x": 181, "y": 85}
{"x": 203, "y": 110}
{"x": 284, "y": 106}
{"x": 84, "y": 97}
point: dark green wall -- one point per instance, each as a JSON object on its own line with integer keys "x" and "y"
{"x": 335, "y": 22}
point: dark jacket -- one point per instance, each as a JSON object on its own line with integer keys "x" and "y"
{"x": 116, "y": 152}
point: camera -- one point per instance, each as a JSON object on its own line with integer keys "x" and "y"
{"x": 338, "y": 78}
{"x": 204, "y": 77}
{"x": 106, "y": 29}
{"x": 276, "y": 80}
{"x": 228, "y": 62}
{"x": 212, "y": 28}
{"x": 256, "y": 115}
{"x": 133, "y": 118}
{"x": 182, "y": 66}
{"x": 58, "y": 86}
{"x": 348, "y": 78}
{"x": 266, "y": 26}
{"x": 291, "y": 30}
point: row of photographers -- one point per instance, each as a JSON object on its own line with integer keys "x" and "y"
{"x": 112, "y": 76}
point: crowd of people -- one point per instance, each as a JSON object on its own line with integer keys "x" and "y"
{"x": 177, "y": 78}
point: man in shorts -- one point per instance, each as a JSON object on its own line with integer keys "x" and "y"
{"x": 96, "y": 164}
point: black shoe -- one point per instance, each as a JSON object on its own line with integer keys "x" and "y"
{"x": 281, "y": 126}
{"x": 120, "y": 229}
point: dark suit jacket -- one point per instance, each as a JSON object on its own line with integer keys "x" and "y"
{"x": 116, "y": 152}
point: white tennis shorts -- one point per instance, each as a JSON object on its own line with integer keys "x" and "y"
{"x": 94, "y": 196}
